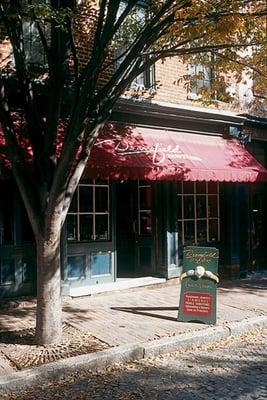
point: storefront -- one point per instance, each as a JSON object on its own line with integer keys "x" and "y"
{"x": 149, "y": 190}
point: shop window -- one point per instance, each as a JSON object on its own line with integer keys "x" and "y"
{"x": 198, "y": 212}
{"x": 7, "y": 272}
{"x": 144, "y": 208}
{"x": 27, "y": 235}
{"x": 7, "y": 235}
{"x": 88, "y": 218}
{"x": 27, "y": 270}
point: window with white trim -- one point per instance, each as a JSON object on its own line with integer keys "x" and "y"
{"x": 202, "y": 80}
{"x": 198, "y": 212}
{"x": 88, "y": 218}
{"x": 147, "y": 78}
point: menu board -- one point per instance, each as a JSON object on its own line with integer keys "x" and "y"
{"x": 199, "y": 281}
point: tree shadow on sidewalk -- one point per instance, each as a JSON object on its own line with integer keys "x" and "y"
{"x": 147, "y": 311}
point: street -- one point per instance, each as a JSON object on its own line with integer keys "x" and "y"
{"x": 231, "y": 369}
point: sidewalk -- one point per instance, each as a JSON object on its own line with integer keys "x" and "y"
{"x": 146, "y": 314}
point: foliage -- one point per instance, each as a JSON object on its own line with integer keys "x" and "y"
{"x": 229, "y": 35}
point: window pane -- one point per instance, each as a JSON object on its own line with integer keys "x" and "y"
{"x": 72, "y": 227}
{"x": 100, "y": 264}
{"x": 189, "y": 232}
{"x": 101, "y": 199}
{"x": 86, "y": 198}
{"x": 189, "y": 211}
{"x": 213, "y": 206}
{"x": 179, "y": 187}
{"x": 101, "y": 227}
{"x": 180, "y": 242}
{"x": 7, "y": 217}
{"x": 213, "y": 230}
{"x": 86, "y": 227}
{"x": 33, "y": 46}
{"x": 202, "y": 231}
{"x": 139, "y": 80}
{"x": 7, "y": 272}
{"x": 27, "y": 235}
{"x": 73, "y": 204}
{"x": 145, "y": 223}
{"x": 188, "y": 187}
{"x": 200, "y": 187}
{"x": 179, "y": 207}
{"x": 201, "y": 207}
{"x": 180, "y": 233}
{"x": 76, "y": 266}
{"x": 145, "y": 198}
{"x": 213, "y": 187}
{"x": 28, "y": 269}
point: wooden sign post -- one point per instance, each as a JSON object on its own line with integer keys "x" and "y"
{"x": 198, "y": 285}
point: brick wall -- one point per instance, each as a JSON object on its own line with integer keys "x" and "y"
{"x": 84, "y": 27}
{"x": 167, "y": 73}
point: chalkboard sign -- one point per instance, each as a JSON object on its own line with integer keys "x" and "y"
{"x": 198, "y": 285}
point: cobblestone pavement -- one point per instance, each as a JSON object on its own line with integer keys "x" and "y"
{"x": 231, "y": 369}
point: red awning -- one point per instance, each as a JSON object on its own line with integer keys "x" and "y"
{"x": 126, "y": 152}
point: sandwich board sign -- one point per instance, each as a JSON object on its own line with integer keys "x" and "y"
{"x": 198, "y": 285}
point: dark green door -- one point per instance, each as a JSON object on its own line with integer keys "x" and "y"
{"x": 145, "y": 232}
{"x": 134, "y": 229}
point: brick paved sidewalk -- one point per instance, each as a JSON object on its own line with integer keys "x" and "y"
{"x": 143, "y": 314}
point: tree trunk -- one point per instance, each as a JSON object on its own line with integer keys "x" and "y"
{"x": 49, "y": 309}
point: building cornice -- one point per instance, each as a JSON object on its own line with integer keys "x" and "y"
{"x": 158, "y": 109}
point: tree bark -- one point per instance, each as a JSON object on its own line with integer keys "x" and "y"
{"x": 49, "y": 311}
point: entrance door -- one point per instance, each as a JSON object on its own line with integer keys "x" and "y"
{"x": 258, "y": 241}
{"x": 134, "y": 229}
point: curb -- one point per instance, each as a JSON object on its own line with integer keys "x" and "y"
{"x": 125, "y": 353}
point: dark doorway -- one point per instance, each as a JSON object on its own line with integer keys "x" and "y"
{"x": 134, "y": 232}
{"x": 258, "y": 242}
{"x": 125, "y": 228}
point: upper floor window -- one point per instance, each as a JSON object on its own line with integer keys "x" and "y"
{"x": 88, "y": 218}
{"x": 202, "y": 81}
{"x": 124, "y": 39}
{"x": 145, "y": 80}
{"x": 259, "y": 87}
{"x": 7, "y": 216}
{"x": 34, "y": 50}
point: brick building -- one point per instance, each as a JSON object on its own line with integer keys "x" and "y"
{"x": 131, "y": 216}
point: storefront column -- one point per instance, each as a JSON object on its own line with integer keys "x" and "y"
{"x": 230, "y": 249}
{"x": 244, "y": 229}
{"x": 170, "y": 262}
